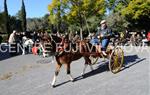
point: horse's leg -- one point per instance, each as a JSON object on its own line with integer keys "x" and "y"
{"x": 87, "y": 62}
{"x": 52, "y": 59}
{"x": 91, "y": 67}
{"x": 23, "y": 49}
{"x": 67, "y": 65}
{"x": 58, "y": 66}
{"x": 85, "y": 66}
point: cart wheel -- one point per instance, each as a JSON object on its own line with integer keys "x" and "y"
{"x": 93, "y": 60}
{"x": 116, "y": 60}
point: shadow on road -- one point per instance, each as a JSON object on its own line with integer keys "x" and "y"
{"x": 61, "y": 83}
{"x": 101, "y": 68}
{"x": 131, "y": 61}
{"x": 5, "y": 54}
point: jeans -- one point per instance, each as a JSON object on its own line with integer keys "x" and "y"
{"x": 105, "y": 43}
{"x": 94, "y": 41}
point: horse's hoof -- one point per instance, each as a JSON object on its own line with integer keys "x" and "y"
{"x": 53, "y": 86}
{"x": 72, "y": 80}
{"x": 83, "y": 76}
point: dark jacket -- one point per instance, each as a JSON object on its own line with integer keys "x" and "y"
{"x": 107, "y": 33}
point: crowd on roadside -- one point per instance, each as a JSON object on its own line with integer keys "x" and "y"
{"x": 134, "y": 38}
{"x": 27, "y": 39}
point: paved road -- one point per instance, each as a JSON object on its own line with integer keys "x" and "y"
{"x": 31, "y": 75}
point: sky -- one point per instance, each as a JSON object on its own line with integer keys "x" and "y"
{"x": 34, "y": 8}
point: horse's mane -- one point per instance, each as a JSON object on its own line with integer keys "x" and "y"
{"x": 87, "y": 46}
{"x": 56, "y": 38}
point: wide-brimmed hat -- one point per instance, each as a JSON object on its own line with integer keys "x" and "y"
{"x": 103, "y": 21}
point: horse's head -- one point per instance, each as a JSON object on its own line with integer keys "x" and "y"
{"x": 59, "y": 44}
{"x": 53, "y": 41}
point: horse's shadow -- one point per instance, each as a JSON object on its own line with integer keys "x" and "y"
{"x": 61, "y": 84}
{"x": 99, "y": 69}
{"x": 130, "y": 60}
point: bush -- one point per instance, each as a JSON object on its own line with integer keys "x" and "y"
{"x": 4, "y": 38}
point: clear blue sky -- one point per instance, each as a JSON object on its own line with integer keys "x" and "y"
{"x": 34, "y": 8}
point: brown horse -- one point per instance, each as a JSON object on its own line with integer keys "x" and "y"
{"x": 67, "y": 57}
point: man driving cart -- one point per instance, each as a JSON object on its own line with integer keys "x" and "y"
{"x": 104, "y": 34}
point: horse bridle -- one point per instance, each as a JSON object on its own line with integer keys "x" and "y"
{"x": 52, "y": 38}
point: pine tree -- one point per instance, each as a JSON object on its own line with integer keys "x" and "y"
{"x": 6, "y": 18}
{"x": 23, "y": 16}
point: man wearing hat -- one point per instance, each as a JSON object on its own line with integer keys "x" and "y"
{"x": 104, "y": 33}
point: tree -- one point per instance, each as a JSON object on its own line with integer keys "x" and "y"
{"x": 23, "y": 16}
{"x": 117, "y": 5}
{"x": 33, "y": 24}
{"x": 15, "y": 24}
{"x": 1, "y": 22}
{"x": 76, "y": 13}
{"x": 83, "y": 11}
{"x": 6, "y": 18}
{"x": 19, "y": 15}
{"x": 117, "y": 22}
{"x": 138, "y": 14}
{"x": 38, "y": 23}
{"x": 57, "y": 11}
{"x": 135, "y": 12}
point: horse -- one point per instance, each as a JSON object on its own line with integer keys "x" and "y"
{"x": 66, "y": 58}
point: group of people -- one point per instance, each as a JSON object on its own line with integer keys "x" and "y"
{"x": 104, "y": 33}
{"x": 26, "y": 40}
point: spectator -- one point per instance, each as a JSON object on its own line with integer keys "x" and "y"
{"x": 34, "y": 37}
{"x": 12, "y": 43}
{"x": 148, "y": 36}
{"x": 1, "y": 39}
{"x": 12, "y": 37}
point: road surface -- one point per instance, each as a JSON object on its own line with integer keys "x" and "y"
{"x": 32, "y": 75}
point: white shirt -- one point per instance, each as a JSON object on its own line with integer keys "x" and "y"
{"x": 11, "y": 38}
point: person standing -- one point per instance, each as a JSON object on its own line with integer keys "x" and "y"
{"x": 1, "y": 39}
{"x": 12, "y": 37}
{"x": 12, "y": 43}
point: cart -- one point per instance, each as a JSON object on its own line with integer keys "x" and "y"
{"x": 115, "y": 56}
